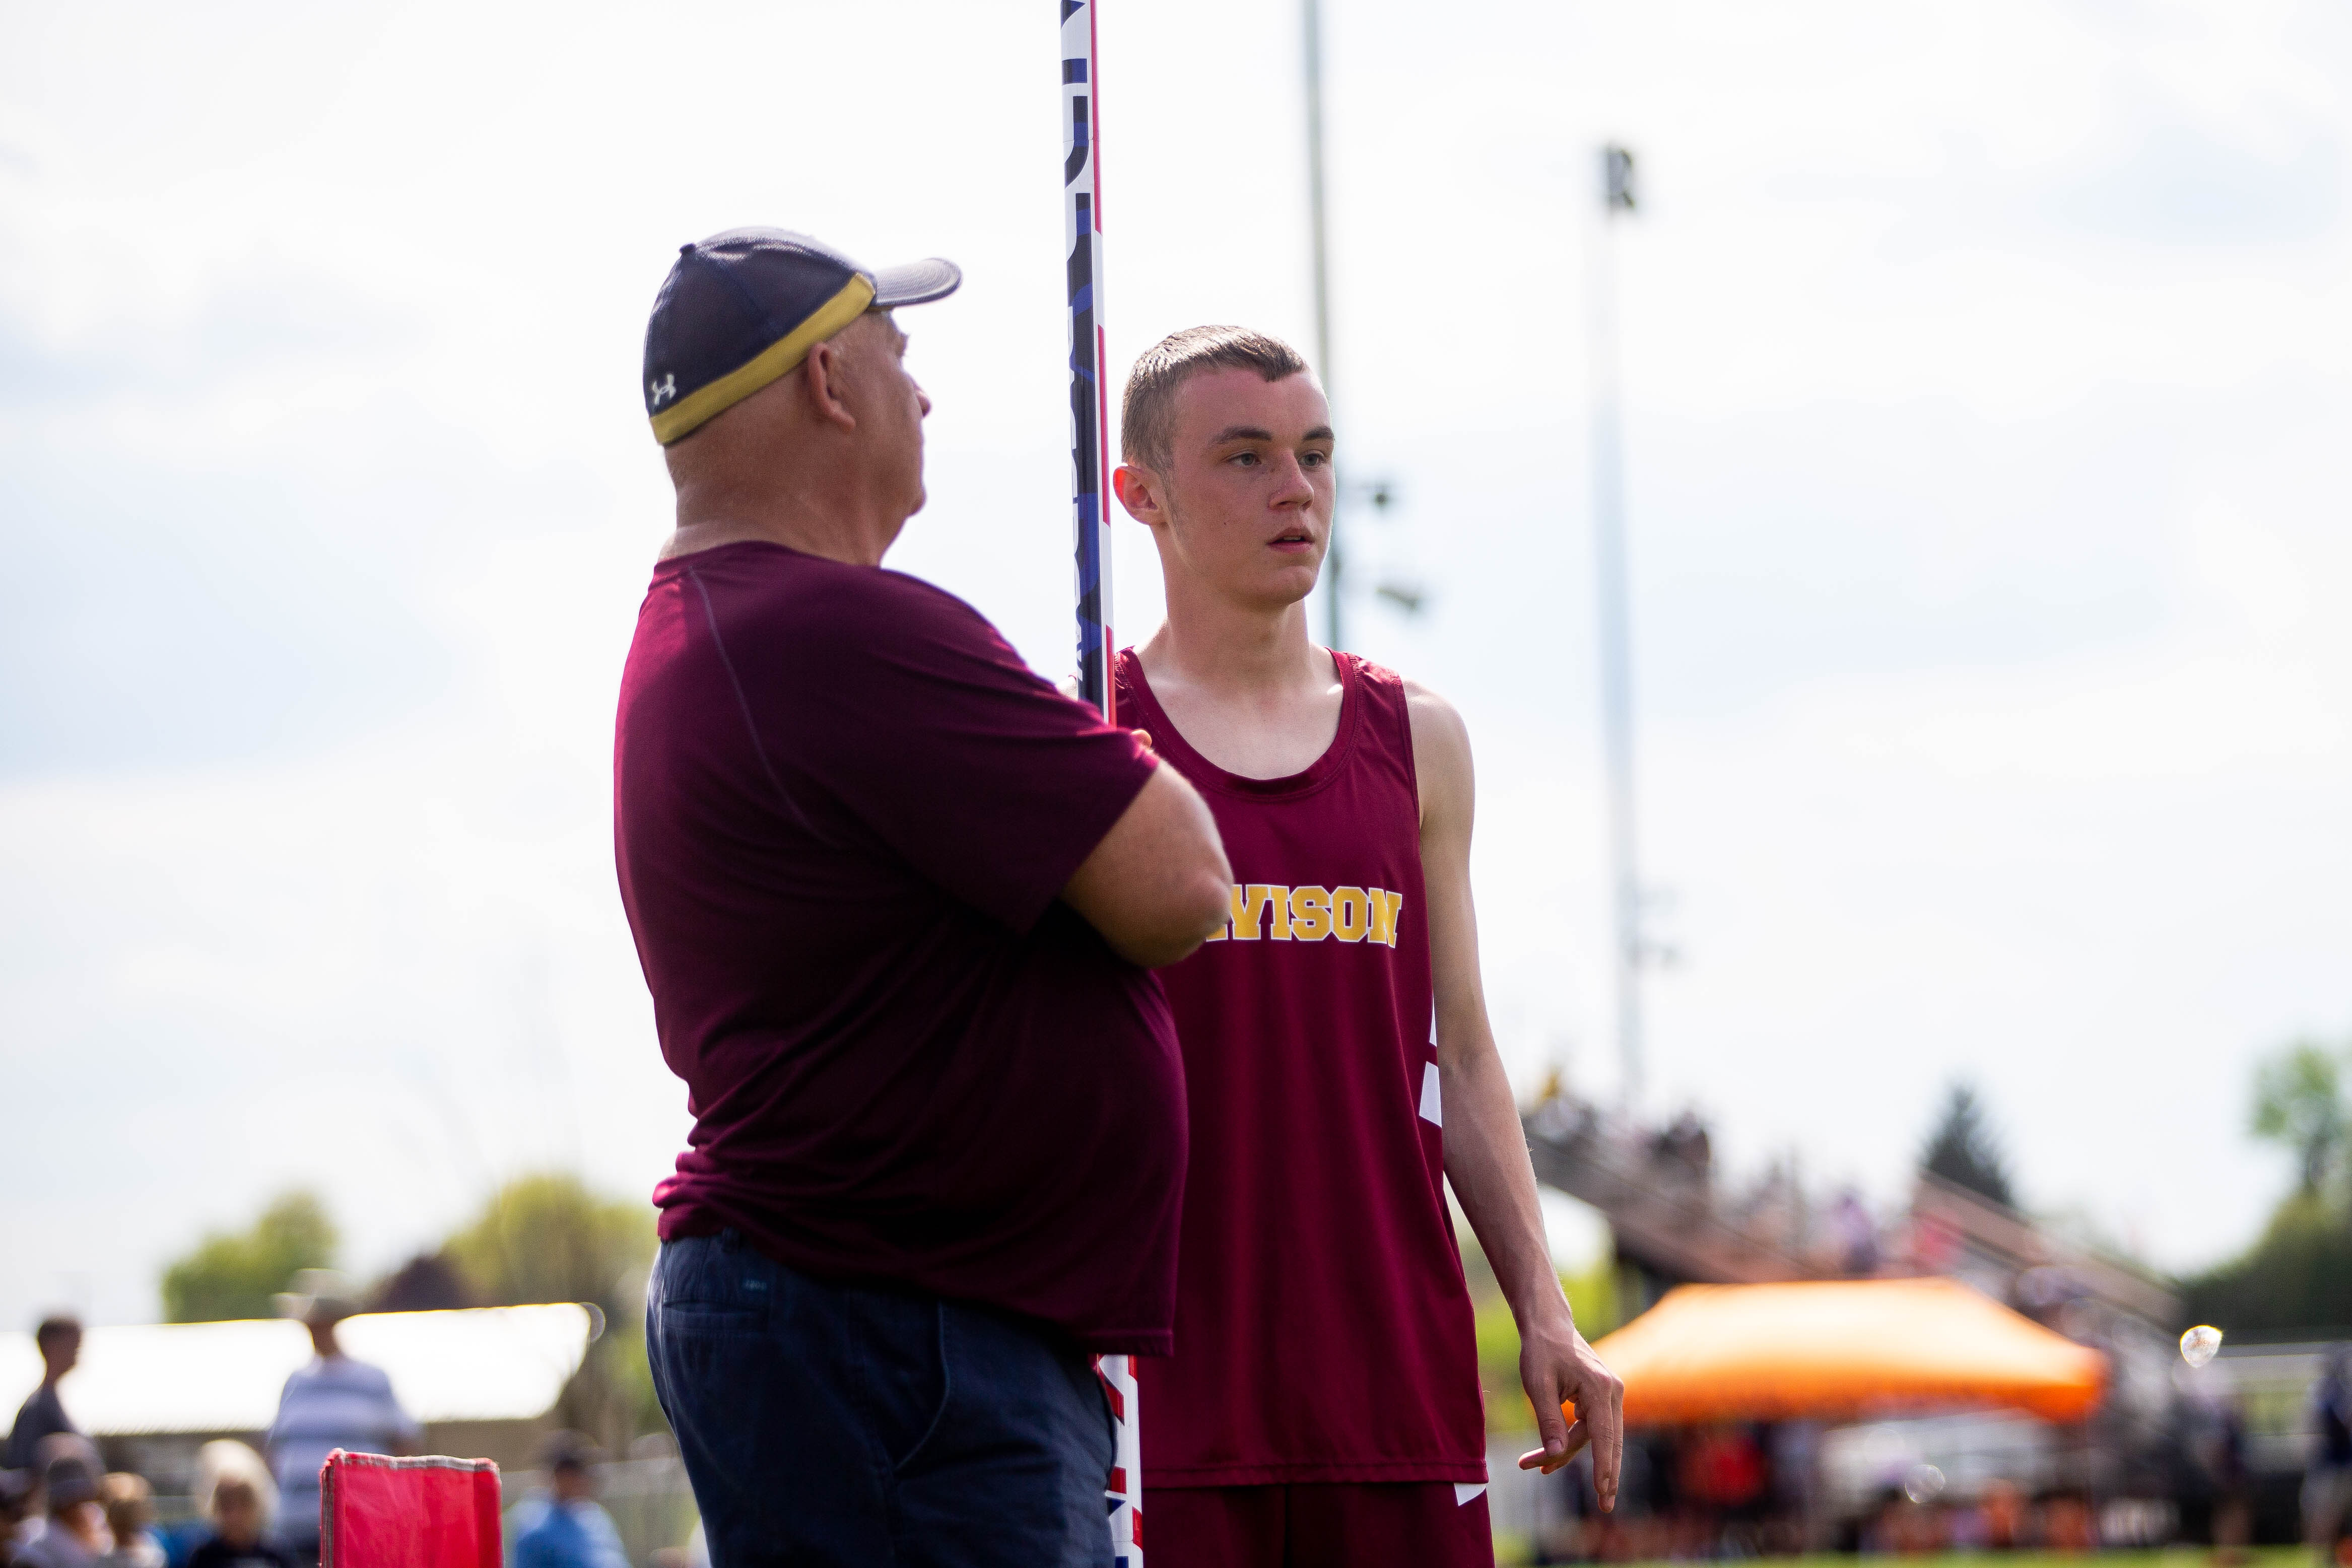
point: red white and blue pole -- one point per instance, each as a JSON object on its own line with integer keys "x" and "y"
{"x": 1090, "y": 498}
{"x": 1090, "y": 397}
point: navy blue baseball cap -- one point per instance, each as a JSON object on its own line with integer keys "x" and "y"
{"x": 740, "y": 309}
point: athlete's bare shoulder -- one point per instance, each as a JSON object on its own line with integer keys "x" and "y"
{"x": 1441, "y": 755}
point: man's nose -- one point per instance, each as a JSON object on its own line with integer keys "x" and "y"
{"x": 1296, "y": 489}
{"x": 923, "y": 399}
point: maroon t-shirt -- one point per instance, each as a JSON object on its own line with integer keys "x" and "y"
{"x": 1323, "y": 1329}
{"x": 843, "y": 808}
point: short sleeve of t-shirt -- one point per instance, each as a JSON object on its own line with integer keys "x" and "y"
{"x": 937, "y": 737}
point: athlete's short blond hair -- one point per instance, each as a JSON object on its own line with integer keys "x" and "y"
{"x": 1146, "y": 413}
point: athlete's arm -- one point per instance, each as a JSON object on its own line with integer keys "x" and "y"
{"x": 1157, "y": 884}
{"x": 1486, "y": 1149}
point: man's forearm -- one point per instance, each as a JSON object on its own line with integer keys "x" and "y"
{"x": 1486, "y": 1161}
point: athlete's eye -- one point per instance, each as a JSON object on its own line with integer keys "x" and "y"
{"x": 1314, "y": 459}
{"x": 1245, "y": 459}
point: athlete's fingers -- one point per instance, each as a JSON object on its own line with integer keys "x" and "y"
{"x": 1601, "y": 1401}
{"x": 1547, "y": 1385}
{"x": 1545, "y": 1460}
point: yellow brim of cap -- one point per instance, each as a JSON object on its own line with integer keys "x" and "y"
{"x": 707, "y": 402}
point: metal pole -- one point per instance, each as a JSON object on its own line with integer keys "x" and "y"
{"x": 1090, "y": 479}
{"x": 1616, "y": 653}
{"x": 1331, "y": 579}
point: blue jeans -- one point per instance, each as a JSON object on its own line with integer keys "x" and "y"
{"x": 831, "y": 1424}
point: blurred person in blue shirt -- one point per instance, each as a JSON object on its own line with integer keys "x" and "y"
{"x": 564, "y": 1527}
{"x": 333, "y": 1402}
{"x": 2327, "y": 1482}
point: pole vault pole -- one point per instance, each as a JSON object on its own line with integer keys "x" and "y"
{"x": 1090, "y": 509}
{"x": 1089, "y": 400}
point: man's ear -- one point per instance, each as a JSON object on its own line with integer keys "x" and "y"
{"x": 823, "y": 373}
{"x": 1138, "y": 491}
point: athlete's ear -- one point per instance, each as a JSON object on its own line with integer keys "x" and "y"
{"x": 1139, "y": 492}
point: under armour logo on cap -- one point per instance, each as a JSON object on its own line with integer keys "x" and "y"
{"x": 741, "y": 309}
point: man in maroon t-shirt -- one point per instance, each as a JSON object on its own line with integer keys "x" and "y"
{"x": 895, "y": 898}
{"x": 1322, "y": 1405}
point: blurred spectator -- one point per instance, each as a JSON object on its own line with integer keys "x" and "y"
{"x": 236, "y": 1497}
{"x": 1856, "y": 1234}
{"x": 1795, "y": 1463}
{"x": 2233, "y": 1484}
{"x": 1901, "y": 1525}
{"x": 2326, "y": 1482}
{"x": 564, "y": 1527}
{"x": 74, "y": 1535}
{"x": 43, "y": 1415}
{"x": 2067, "y": 1524}
{"x": 130, "y": 1504}
{"x": 333, "y": 1402}
{"x": 1722, "y": 1469}
{"x": 2002, "y": 1512}
{"x": 20, "y": 1500}
{"x": 1683, "y": 1149}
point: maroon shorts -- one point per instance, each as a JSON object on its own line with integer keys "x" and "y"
{"x": 1404, "y": 1524}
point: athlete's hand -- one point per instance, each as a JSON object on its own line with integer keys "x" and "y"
{"x": 1558, "y": 1369}
{"x": 1068, "y": 685}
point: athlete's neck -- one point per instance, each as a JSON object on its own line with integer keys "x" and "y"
{"x": 1239, "y": 652}
{"x": 1245, "y": 687}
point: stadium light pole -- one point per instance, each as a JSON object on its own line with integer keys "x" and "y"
{"x": 1313, "y": 63}
{"x": 1610, "y": 576}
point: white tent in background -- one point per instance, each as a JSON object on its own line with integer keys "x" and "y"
{"x": 484, "y": 1364}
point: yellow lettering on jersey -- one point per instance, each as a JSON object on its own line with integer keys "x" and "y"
{"x": 1249, "y": 910}
{"x": 1279, "y": 898}
{"x": 1351, "y": 912}
{"x": 1310, "y": 913}
{"x": 1385, "y": 908}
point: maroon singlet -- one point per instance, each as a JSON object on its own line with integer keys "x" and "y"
{"x": 1323, "y": 1329}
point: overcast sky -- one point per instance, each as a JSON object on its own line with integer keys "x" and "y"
{"x": 1987, "y": 393}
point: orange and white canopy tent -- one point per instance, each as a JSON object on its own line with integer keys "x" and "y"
{"x": 1837, "y": 1349}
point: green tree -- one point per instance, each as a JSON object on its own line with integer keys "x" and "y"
{"x": 2299, "y": 1101}
{"x": 234, "y": 1275}
{"x": 547, "y": 1238}
{"x": 1964, "y": 1151}
{"x": 2297, "y": 1278}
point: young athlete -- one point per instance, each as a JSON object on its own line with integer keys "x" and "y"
{"x": 1322, "y": 1405}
